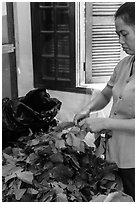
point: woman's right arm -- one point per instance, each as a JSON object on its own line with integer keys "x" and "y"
{"x": 97, "y": 103}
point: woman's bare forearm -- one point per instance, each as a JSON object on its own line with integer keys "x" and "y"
{"x": 120, "y": 124}
{"x": 100, "y": 101}
{"x": 96, "y": 103}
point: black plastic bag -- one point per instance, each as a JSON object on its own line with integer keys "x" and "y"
{"x": 35, "y": 111}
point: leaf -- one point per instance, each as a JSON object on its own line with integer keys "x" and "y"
{"x": 61, "y": 197}
{"x": 90, "y": 139}
{"x": 48, "y": 197}
{"x": 10, "y": 191}
{"x": 45, "y": 183}
{"x": 69, "y": 139}
{"x": 62, "y": 172}
{"x": 14, "y": 173}
{"x": 19, "y": 193}
{"x": 31, "y": 158}
{"x": 25, "y": 176}
{"x": 100, "y": 152}
{"x": 85, "y": 161}
{"x": 81, "y": 134}
{"x": 110, "y": 177}
{"x": 32, "y": 191}
{"x": 56, "y": 135}
{"x": 57, "y": 188}
{"x": 16, "y": 152}
{"x": 57, "y": 158}
{"x": 80, "y": 183}
{"x": 40, "y": 186}
{"x": 71, "y": 187}
{"x": 82, "y": 147}
{"x": 8, "y": 150}
{"x": 33, "y": 142}
{"x": 60, "y": 144}
{"x": 62, "y": 185}
{"x": 75, "y": 130}
{"x": 9, "y": 159}
{"x": 59, "y": 135}
{"x": 64, "y": 125}
{"x": 74, "y": 160}
{"x": 53, "y": 148}
{"x": 76, "y": 141}
{"x": 118, "y": 197}
{"x": 72, "y": 198}
{"x": 48, "y": 165}
{"x": 65, "y": 131}
{"x": 98, "y": 198}
{"x": 9, "y": 169}
{"x": 18, "y": 183}
{"x": 44, "y": 138}
{"x": 7, "y": 178}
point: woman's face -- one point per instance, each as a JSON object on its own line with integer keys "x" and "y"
{"x": 126, "y": 35}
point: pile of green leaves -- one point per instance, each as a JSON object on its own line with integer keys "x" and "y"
{"x": 55, "y": 167}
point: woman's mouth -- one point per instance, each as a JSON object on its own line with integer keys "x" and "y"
{"x": 125, "y": 48}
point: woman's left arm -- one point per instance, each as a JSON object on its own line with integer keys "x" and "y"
{"x": 98, "y": 124}
{"x": 120, "y": 124}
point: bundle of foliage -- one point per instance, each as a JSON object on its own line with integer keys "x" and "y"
{"x": 36, "y": 110}
{"x": 57, "y": 166}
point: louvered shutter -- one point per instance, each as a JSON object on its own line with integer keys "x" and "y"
{"x": 102, "y": 43}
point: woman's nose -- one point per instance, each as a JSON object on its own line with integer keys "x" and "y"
{"x": 121, "y": 40}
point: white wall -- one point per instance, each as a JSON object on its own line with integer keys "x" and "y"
{"x": 71, "y": 102}
{"x": 23, "y": 47}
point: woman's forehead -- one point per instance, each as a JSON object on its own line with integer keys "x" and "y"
{"x": 121, "y": 24}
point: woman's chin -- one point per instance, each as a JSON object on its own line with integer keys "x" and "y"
{"x": 129, "y": 52}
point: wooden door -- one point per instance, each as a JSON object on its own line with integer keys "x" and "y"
{"x": 9, "y": 74}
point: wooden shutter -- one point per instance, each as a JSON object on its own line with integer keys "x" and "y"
{"x": 102, "y": 43}
{"x": 53, "y": 44}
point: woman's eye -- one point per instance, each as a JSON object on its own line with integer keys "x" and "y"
{"x": 121, "y": 34}
{"x": 124, "y": 34}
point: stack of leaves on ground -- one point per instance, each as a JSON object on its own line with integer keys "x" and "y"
{"x": 57, "y": 166}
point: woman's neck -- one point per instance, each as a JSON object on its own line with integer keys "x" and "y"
{"x": 133, "y": 67}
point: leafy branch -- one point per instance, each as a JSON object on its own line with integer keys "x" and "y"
{"x": 57, "y": 166}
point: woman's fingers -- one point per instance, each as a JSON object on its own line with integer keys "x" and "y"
{"x": 78, "y": 118}
{"x": 81, "y": 122}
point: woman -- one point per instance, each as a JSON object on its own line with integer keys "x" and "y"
{"x": 121, "y": 86}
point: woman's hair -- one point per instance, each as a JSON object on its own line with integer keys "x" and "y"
{"x": 127, "y": 13}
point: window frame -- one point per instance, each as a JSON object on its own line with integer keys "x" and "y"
{"x": 38, "y": 82}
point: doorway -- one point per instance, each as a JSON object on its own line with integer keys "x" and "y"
{"x": 9, "y": 72}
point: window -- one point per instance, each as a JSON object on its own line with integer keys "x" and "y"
{"x": 73, "y": 43}
{"x": 53, "y": 44}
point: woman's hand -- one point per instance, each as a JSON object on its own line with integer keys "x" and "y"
{"x": 93, "y": 124}
{"x": 96, "y": 103}
{"x": 80, "y": 116}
